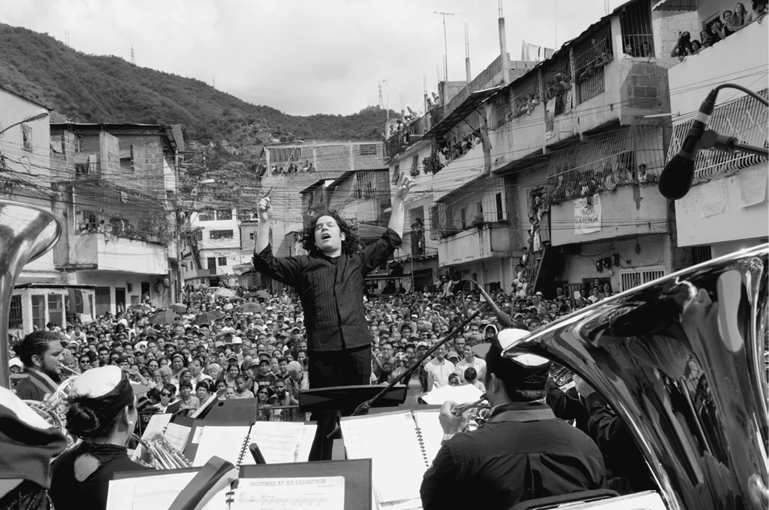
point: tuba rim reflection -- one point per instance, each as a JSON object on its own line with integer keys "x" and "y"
{"x": 26, "y": 232}
{"x": 681, "y": 361}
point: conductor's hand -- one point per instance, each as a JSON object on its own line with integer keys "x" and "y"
{"x": 451, "y": 424}
{"x": 403, "y": 187}
{"x": 264, "y": 207}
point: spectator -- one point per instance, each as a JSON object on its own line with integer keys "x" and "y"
{"x": 438, "y": 370}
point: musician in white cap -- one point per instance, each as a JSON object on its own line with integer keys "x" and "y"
{"x": 102, "y": 412}
{"x": 523, "y": 451}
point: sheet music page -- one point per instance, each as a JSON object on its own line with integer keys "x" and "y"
{"x": 145, "y": 492}
{"x": 461, "y": 394}
{"x": 222, "y": 441}
{"x": 156, "y": 424}
{"x": 432, "y": 432}
{"x": 177, "y": 436}
{"x": 305, "y": 442}
{"x": 390, "y": 440}
{"x": 277, "y": 440}
{"x": 318, "y": 493}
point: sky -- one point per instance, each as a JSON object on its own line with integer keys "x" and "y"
{"x": 307, "y": 57}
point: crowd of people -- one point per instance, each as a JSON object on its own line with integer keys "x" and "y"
{"x": 729, "y": 22}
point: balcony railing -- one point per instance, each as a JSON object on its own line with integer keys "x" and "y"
{"x": 400, "y": 141}
{"x": 743, "y": 118}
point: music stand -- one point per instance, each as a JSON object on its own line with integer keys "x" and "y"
{"x": 338, "y": 398}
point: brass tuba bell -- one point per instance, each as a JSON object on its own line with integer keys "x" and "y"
{"x": 26, "y": 232}
{"x": 683, "y": 361}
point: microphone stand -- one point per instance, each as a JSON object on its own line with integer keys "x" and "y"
{"x": 713, "y": 140}
{"x": 366, "y": 405}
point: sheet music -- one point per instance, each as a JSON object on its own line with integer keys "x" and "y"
{"x": 277, "y": 440}
{"x": 222, "y": 441}
{"x": 390, "y": 440}
{"x": 142, "y": 493}
{"x": 432, "y": 432}
{"x": 320, "y": 493}
{"x": 177, "y": 435}
{"x": 305, "y": 442}
{"x": 461, "y": 394}
{"x": 159, "y": 491}
{"x": 156, "y": 424}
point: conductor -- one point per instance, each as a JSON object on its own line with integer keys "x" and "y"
{"x": 330, "y": 284}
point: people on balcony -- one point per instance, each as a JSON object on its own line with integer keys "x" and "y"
{"x": 758, "y": 10}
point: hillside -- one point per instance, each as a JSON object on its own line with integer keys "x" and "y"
{"x": 91, "y": 88}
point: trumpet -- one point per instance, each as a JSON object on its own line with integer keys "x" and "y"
{"x": 481, "y": 403}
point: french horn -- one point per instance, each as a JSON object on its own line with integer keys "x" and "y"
{"x": 682, "y": 361}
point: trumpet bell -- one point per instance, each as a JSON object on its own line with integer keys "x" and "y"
{"x": 682, "y": 360}
{"x": 26, "y": 233}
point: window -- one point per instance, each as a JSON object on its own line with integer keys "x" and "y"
{"x": 591, "y": 56}
{"x": 206, "y": 215}
{"x": 630, "y": 278}
{"x": 222, "y": 261}
{"x": 252, "y": 235}
{"x": 38, "y": 312}
{"x": 414, "y": 166}
{"x": 463, "y": 217}
{"x": 26, "y": 138}
{"x": 15, "y": 316}
{"x": 637, "y": 39}
{"x": 56, "y": 309}
{"x": 500, "y": 211}
{"x": 220, "y": 234}
{"x": 224, "y": 214}
{"x": 367, "y": 149}
{"x": 701, "y": 254}
{"x": 557, "y": 79}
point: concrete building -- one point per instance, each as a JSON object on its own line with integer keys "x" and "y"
{"x": 116, "y": 187}
{"x": 26, "y": 176}
{"x": 726, "y": 208}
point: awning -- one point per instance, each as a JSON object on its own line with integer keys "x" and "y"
{"x": 462, "y": 190}
{"x": 675, "y": 5}
{"x": 463, "y": 110}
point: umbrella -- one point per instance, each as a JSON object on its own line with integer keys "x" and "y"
{"x": 259, "y": 294}
{"x": 207, "y": 318}
{"x": 178, "y": 307}
{"x": 167, "y": 317}
{"x": 143, "y": 308}
{"x": 225, "y": 293}
{"x": 249, "y": 308}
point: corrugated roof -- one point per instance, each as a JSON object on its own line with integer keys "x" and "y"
{"x": 463, "y": 110}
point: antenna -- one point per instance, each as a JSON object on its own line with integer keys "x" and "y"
{"x": 133, "y": 58}
{"x": 66, "y": 37}
{"x": 445, "y": 45}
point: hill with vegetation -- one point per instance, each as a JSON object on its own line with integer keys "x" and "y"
{"x": 108, "y": 89}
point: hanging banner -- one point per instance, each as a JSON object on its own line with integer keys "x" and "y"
{"x": 550, "y": 118}
{"x": 587, "y": 215}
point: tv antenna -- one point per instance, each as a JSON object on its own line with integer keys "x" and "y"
{"x": 445, "y": 45}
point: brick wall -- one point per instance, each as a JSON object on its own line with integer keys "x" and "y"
{"x": 667, "y": 26}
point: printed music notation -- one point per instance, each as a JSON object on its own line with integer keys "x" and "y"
{"x": 322, "y": 493}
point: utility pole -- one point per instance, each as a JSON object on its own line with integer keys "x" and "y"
{"x": 445, "y": 45}
{"x": 468, "y": 74}
{"x": 503, "y": 46}
{"x": 133, "y": 58}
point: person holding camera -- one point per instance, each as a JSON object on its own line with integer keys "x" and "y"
{"x": 683, "y": 47}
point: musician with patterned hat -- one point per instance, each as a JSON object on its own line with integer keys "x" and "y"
{"x": 523, "y": 451}
{"x": 102, "y": 412}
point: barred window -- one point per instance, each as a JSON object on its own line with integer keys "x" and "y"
{"x": 591, "y": 55}
{"x": 224, "y": 214}
{"x": 557, "y": 82}
{"x": 525, "y": 95}
{"x": 15, "y": 316}
{"x": 636, "y": 25}
{"x": 367, "y": 149}
{"x": 222, "y": 261}
{"x": 206, "y": 215}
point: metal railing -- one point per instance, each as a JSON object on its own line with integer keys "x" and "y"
{"x": 744, "y": 118}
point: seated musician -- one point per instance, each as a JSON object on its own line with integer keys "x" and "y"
{"x": 523, "y": 452}
{"x": 102, "y": 412}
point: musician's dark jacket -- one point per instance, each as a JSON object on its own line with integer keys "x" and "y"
{"x": 331, "y": 291}
{"x": 68, "y": 493}
{"x": 509, "y": 461}
{"x": 35, "y": 386}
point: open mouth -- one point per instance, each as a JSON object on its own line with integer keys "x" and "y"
{"x": 325, "y": 236}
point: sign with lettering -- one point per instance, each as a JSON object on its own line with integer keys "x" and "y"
{"x": 587, "y": 215}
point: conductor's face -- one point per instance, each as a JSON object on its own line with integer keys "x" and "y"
{"x": 328, "y": 236}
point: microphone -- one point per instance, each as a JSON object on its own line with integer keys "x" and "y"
{"x": 677, "y": 176}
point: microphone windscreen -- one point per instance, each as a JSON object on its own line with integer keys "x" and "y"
{"x": 677, "y": 177}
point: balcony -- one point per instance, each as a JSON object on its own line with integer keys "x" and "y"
{"x": 399, "y": 142}
{"x": 105, "y": 252}
{"x": 485, "y": 241}
{"x": 630, "y": 210}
